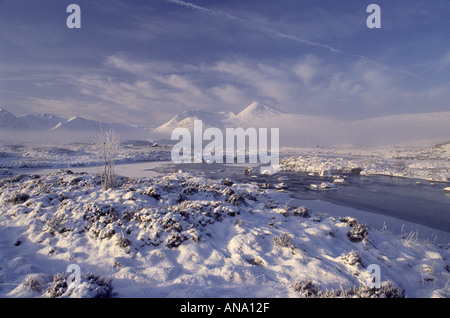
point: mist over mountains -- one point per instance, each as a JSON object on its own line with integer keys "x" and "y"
{"x": 47, "y": 127}
{"x": 299, "y": 130}
{"x": 296, "y": 130}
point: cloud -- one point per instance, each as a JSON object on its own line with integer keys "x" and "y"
{"x": 443, "y": 63}
{"x": 132, "y": 91}
{"x": 260, "y": 27}
{"x": 294, "y": 38}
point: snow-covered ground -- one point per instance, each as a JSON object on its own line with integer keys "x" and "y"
{"x": 185, "y": 235}
{"x": 69, "y": 155}
{"x": 429, "y": 163}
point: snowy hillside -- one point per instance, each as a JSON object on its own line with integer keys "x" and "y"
{"x": 183, "y": 235}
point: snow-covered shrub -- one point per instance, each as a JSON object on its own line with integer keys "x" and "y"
{"x": 387, "y": 290}
{"x": 122, "y": 241}
{"x": 103, "y": 212}
{"x": 351, "y": 258}
{"x": 349, "y": 220}
{"x": 227, "y": 182}
{"x": 284, "y": 240}
{"x": 234, "y": 199}
{"x": 58, "y": 286}
{"x": 34, "y": 282}
{"x": 358, "y": 232}
{"x": 54, "y": 225}
{"x": 17, "y": 198}
{"x": 255, "y": 261}
{"x": 175, "y": 240}
{"x": 190, "y": 189}
{"x": 90, "y": 286}
{"x": 306, "y": 288}
{"x": 102, "y": 219}
{"x": 151, "y": 192}
{"x": 301, "y": 211}
{"x": 171, "y": 222}
{"x": 271, "y": 204}
{"x": 283, "y": 212}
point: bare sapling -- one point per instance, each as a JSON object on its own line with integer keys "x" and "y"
{"x": 108, "y": 142}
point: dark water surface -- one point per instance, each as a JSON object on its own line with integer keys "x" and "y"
{"x": 413, "y": 200}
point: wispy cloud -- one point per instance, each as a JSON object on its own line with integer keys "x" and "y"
{"x": 260, "y": 26}
{"x": 145, "y": 62}
{"x": 309, "y": 85}
{"x": 308, "y": 42}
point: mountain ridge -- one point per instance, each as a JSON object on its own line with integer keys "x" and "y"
{"x": 51, "y": 122}
{"x": 248, "y": 116}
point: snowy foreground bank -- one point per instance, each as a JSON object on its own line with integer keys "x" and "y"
{"x": 180, "y": 235}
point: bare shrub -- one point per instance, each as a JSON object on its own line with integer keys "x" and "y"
{"x": 108, "y": 142}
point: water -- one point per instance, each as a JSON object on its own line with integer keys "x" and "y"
{"x": 417, "y": 201}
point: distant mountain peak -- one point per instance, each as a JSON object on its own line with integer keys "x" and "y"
{"x": 256, "y": 109}
{"x": 50, "y": 122}
{"x": 47, "y": 115}
{"x": 4, "y": 111}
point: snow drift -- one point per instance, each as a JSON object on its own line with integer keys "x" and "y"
{"x": 183, "y": 235}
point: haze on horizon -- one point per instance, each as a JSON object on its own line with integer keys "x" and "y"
{"x": 143, "y": 63}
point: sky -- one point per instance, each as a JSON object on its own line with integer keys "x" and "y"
{"x": 142, "y": 62}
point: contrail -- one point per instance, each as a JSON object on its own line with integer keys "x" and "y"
{"x": 262, "y": 27}
{"x": 300, "y": 40}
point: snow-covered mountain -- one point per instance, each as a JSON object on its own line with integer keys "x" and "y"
{"x": 257, "y": 111}
{"x": 186, "y": 120}
{"x": 50, "y": 122}
{"x": 296, "y": 130}
{"x": 10, "y": 121}
{"x": 43, "y": 121}
{"x": 307, "y": 130}
{"x": 252, "y": 116}
{"x": 80, "y": 123}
